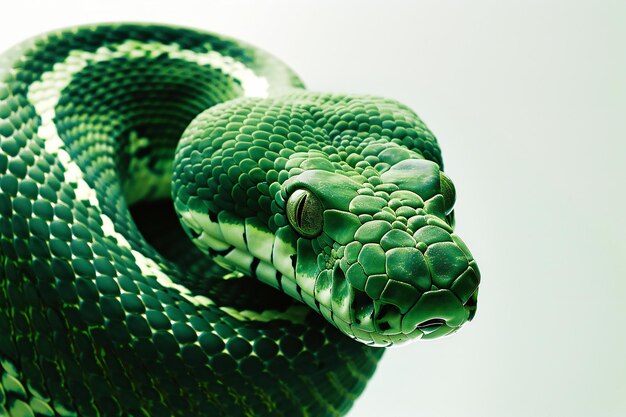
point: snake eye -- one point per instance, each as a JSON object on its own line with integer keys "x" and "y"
{"x": 448, "y": 192}
{"x": 304, "y": 211}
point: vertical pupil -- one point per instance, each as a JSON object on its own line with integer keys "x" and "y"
{"x": 300, "y": 210}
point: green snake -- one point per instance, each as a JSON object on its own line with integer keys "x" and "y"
{"x": 316, "y": 229}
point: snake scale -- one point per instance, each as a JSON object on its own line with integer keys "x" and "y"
{"x": 186, "y": 231}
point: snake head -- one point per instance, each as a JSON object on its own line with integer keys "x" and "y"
{"x": 383, "y": 262}
{"x": 337, "y": 201}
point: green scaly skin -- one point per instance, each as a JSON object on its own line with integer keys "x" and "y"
{"x": 322, "y": 216}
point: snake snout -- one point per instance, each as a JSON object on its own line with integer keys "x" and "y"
{"x": 424, "y": 291}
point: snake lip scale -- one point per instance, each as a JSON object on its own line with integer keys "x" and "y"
{"x": 186, "y": 230}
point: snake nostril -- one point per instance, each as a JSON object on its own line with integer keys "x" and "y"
{"x": 429, "y": 326}
{"x": 431, "y": 322}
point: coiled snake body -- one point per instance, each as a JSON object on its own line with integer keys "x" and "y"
{"x": 314, "y": 217}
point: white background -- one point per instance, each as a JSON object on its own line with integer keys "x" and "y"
{"x": 528, "y": 100}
